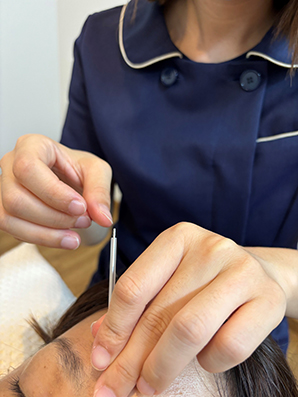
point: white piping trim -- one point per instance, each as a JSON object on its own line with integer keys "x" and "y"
{"x": 142, "y": 64}
{"x": 264, "y": 56}
{"x": 276, "y": 137}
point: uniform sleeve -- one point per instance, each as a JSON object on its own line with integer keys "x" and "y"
{"x": 78, "y": 131}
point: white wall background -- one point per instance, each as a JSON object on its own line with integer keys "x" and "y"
{"x": 36, "y": 55}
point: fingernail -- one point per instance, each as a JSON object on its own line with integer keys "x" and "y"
{"x": 83, "y": 222}
{"x": 76, "y": 207}
{"x": 106, "y": 212}
{"x": 94, "y": 329}
{"x": 100, "y": 358}
{"x": 91, "y": 326}
{"x": 70, "y": 242}
{"x": 144, "y": 387}
{"x": 104, "y": 392}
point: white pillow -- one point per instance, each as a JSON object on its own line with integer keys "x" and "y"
{"x": 29, "y": 285}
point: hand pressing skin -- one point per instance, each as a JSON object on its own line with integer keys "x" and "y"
{"x": 46, "y": 189}
{"x": 191, "y": 293}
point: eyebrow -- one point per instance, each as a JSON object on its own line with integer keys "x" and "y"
{"x": 72, "y": 364}
{"x": 70, "y": 360}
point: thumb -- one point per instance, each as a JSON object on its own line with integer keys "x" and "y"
{"x": 97, "y": 175}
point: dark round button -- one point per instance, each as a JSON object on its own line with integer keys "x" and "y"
{"x": 169, "y": 76}
{"x": 250, "y": 80}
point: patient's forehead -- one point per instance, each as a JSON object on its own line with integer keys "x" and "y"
{"x": 193, "y": 381}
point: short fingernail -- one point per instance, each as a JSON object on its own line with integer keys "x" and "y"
{"x": 104, "y": 392}
{"x": 83, "y": 222}
{"x": 144, "y": 387}
{"x": 100, "y": 358}
{"x": 70, "y": 242}
{"x": 106, "y": 212}
{"x": 91, "y": 326}
{"x": 76, "y": 207}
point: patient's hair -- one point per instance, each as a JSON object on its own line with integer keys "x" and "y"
{"x": 265, "y": 373}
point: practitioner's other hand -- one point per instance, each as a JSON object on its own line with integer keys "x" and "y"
{"x": 47, "y": 189}
{"x": 191, "y": 293}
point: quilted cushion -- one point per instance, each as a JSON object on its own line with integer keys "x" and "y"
{"x": 29, "y": 286}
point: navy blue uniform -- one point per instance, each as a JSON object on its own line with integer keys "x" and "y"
{"x": 211, "y": 144}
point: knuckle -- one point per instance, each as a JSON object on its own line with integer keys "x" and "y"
{"x": 5, "y": 159}
{"x": 60, "y": 220}
{"x": 222, "y": 245}
{"x": 189, "y": 329}
{"x": 234, "y": 349}
{"x": 44, "y": 239}
{"x": 113, "y": 336}
{"x": 106, "y": 168}
{"x": 21, "y": 139}
{"x": 181, "y": 229}
{"x": 155, "y": 322}
{"x": 11, "y": 201}
{"x": 103, "y": 193}
{"x": 129, "y": 290}
{"x": 179, "y": 235}
{"x": 22, "y": 167}
{"x": 89, "y": 160}
{"x": 27, "y": 139}
{"x": 246, "y": 273}
{"x": 125, "y": 371}
{"x": 158, "y": 377}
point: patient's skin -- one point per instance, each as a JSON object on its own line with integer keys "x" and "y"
{"x": 44, "y": 374}
{"x": 53, "y": 372}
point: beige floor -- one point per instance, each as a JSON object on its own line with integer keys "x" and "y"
{"x": 76, "y": 268}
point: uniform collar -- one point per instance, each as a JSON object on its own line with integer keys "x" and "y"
{"x": 145, "y": 40}
{"x": 275, "y": 51}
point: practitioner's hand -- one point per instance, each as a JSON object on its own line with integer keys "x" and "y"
{"x": 47, "y": 189}
{"x": 192, "y": 292}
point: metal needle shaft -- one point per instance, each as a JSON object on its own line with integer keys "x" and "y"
{"x": 113, "y": 256}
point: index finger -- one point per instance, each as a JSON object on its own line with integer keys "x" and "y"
{"x": 134, "y": 290}
{"x": 33, "y": 167}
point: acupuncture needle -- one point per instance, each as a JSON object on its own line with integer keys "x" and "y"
{"x": 113, "y": 256}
